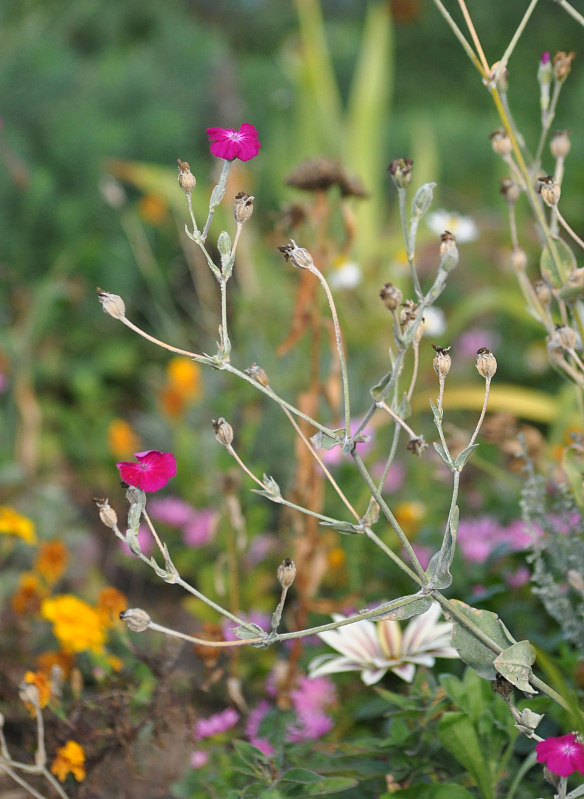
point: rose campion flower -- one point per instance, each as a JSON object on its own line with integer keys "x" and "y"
{"x": 152, "y": 472}
{"x": 229, "y": 144}
{"x": 563, "y": 755}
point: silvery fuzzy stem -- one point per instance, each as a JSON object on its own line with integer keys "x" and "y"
{"x": 384, "y": 406}
{"x": 162, "y": 344}
{"x": 277, "y": 614}
{"x": 483, "y": 412}
{"x": 402, "y": 193}
{"x": 216, "y": 197}
{"x": 567, "y": 227}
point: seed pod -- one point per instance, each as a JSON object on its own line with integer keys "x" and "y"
{"x": 297, "y": 256}
{"x": 563, "y": 65}
{"x": 107, "y": 515}
{"x": 186, "y": 179}
{"x": 519, "y": 259}
{"x": 136, "y": 619}
{"x": 442, "y": 360}
{"x": 223, "y": 431}
{"x": 391, "y": 296}
{"x": 286, "y": 573}
{"x": 112, "y": 304}
{"x": 242, "y": 207}
{"x": 486, "y": 363}
{"x": 550, "y": 190}
{"x": 401, "y": 171}
{"x": 510, "y": 191}
{"x": 258, "y": 374}
{"x": 500, "y": 142}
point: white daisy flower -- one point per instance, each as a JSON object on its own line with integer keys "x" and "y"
{"x": 346, "y": 276}
{"x": 463, "y": 228}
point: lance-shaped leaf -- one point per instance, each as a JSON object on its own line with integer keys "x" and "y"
{"x": 443, "y": 454}
{"x": 415, "y": 607}
{"x": 346, "y": 528}
{"x": 321, "y": 440}
{"x": 378, "y": 390}
{"x": 472, "y": 651}
{"x": 271, "y": 491}
{"x": 514, "y": 663}
{"x": 462, "y": 457}
{"x": 438, "y": 571}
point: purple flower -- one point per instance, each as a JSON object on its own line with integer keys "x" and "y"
{"x": 229, "y": 144}
{"x": 545, "y": 58}
{"x": 200, "y": 527}
{"x": 199, "y": 759}
{"x": 216, "y": 724}
{"x": 171, "y": 510}
{"x": 252, "y": 728}
{"x": 309, "y": 700}
{"x": 471, "y": 340}
{"x": 478, "y": 538}
{"x": 152, "y": 472}
{"x": 563, "y": 755}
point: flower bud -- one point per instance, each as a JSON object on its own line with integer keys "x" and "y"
{"x": 563, "y": 65}
{"x": 136, "y": 619}
{"x": 550, "y": 190}
{"x": 107, "y": 515}
{"x": 560, "y": 143}
{"x": 29, "y": 694}
{"x": 448, "y": 251}
{"x": 422, "y": 200}
{"x": 186, "y": 179}
{"x": 258, "y": 374}
{"x": 565, "y": 336}
{"x": 297, "y": 256}
{"x": 501, "y": 143}
{"x": 543, "y": 292}
{"x": 224, "y": 246}
{"x": 223, "y": 431}
{"x": 519, "y": 259}
{"x": 417, "y": 445}
{"x": 242, "y": 207}
{"x": 486, "y": 363}
{"x": 286, "y": 573}
{"x": 391, "y": 296}
{"x": 510, "y": 191}
{"x": 442, "y": 360}
{"x": 112, "y": 304}
{"x": 400, "y": 170}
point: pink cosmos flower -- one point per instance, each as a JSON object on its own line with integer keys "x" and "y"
{"x": 216, "y": 724}
{"x": 563, "y": 755}
{"x": 252, "y": 728}
{"x": 152, "y": 472}
{"x": 229, "y": 144}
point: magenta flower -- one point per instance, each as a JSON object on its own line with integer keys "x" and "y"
{"x": 252, "y": 728}
{"x": 199, "y": 759}
{"x": 216, "y": 724}
{"x": 229, "y": 144}
{"x": 563, "y": 755}
{"x": 152, "y": 472}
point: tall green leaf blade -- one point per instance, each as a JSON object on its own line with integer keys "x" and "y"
{"x": 458, "y": 735}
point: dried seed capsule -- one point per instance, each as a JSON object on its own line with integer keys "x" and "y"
{"x": 448, "y": 251}
{"x": 186, "y": 179}
{"x": 544, "y": 292}
{"x": 286, "y": 573}
{"x": 550, "y": 190}
{"x": 566, "y": 337}
{"x": 297, "y": 256}
{"x": 107, "y": 515}
{"x": 519, "y": 259}
{"x": 136, "y": 619}
{"x": 510, "y": 191}
{"x": 223, "y": 431}
{"x": 112, "y": 304}
{"x": 242, "y": 207}
{"x": 500, "y": 142}
{"x": 391, "y": 296}
{"x": 258, "y": 374}
{"x": 417, "y": 446}
{"x": 442, "y": 360}
{"x": 486, "y": 363}
{"x": 563, "y": 65}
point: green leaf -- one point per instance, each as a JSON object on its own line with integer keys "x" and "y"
{"x": 250, "y": 755}
{"x": 458, "y": 735}
{"x": 330, "y": 785}
{"x": 443, "y": 791}
{"x": 438, "y": 571}
{"x": 462, "y": 457}
{"x": 557, "y": 275}
{"x": 346, "y": 528}
{"x": 419, "y": 605}
{"x": 443, "y": 454}
{"x": 378, "y": 390}
{"x": 300, "y": 775}
{"x": 322, "y": 440}
{"x": 514, "y": 663}
{"x": 472, "y": 651}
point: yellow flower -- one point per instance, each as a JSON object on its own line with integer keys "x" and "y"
{"x": 26, "y": 600}
{"x": 76, "y": 625}
{"x": 110, "y": 604}
{"x": 410, "y": 515}
{"x": 336, "y": 557}
{"x": 51, "y": 561}
{"x": 183, "y": 385}
{"x": 152, "y": 209}
{"x": 43, "y": 686}
{"x": 13, "y": 523}
{"x": 121, "y": 439}
{"x": 70, "y": 758}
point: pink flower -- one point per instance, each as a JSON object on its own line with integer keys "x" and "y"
{"x": 252, "y": 728}
{"x": 152, "y": 472}
{"x": 216, "y": 724}
{"x": 310, "y": 699}
{"x": 563, "y": 755}
{"x": 229, "y": 144}
{"x": 145, "y": 541}
{"x": 171, "y": 510}
{"x": 199, "y": 759}
{"x": 199, "y": 529}
{"x": 545, "y": 58}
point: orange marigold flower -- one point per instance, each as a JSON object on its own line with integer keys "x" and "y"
{"x": 110, "y": 604}
{"x": 122, "y": 441}
{"x": 43, "y": 686}
{"x": 26, "y": 601}
{"x": 48, "y": 660}
{"x": 51, "y": 561}
{"x": 184, "y": 375}
{"x": 70, "y": 759}
{"x": 76, "y": 625}
{"x": 14, "y": 523}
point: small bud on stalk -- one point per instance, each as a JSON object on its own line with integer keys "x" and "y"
{"x": 258, "y": 374}
{"x": 112, "y": 304}
{"x": 136, "y": 619}
{"x": 563, "y": 65}
{"x": 543, "y": 292}
{"x": 560, "y": 143}
{"x": 486, "y": 363}
{"x": 401, "y": 171}
{"x": 550, "y": 190}
{"x": 242, "y": 207}
{"x": 510, "y": 191}
{"x": 519, "y": 259}
{"x": 286, "y": 573}
{"x": 566, "y": 337}
{"x": 501, "y": 143}
{"x": 107, "y": 515}
{"x": 417, "y": 445}
{"x": 448, "y": 251}
{"x": 391, "y": 296}
{"x": 186, "y": 179}
{"x": 223, "y": 431}
{"x": 297, "y": 256}
{"x": 442, "y": 360}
